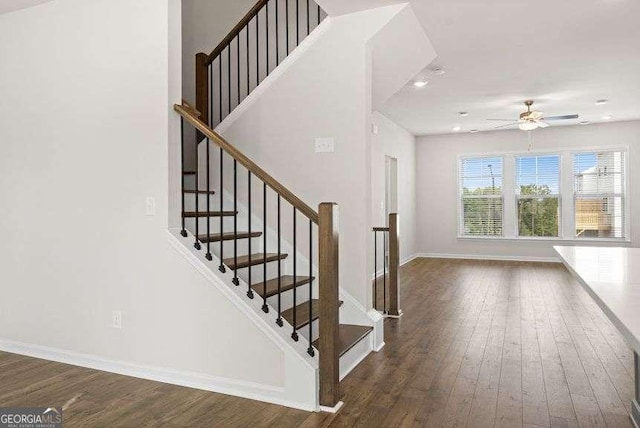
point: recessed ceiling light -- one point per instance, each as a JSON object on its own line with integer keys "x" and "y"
{"x": 601, "y": 102}
{"x": 607, "y": 117}
{"x": 438, "y": 70}
{"x": 473, "y": 131}
{"x": 463, "y": 114}
{"x": 585, "y": 122}
{"x": 457, "y": 128}
{"x": 420, "y": 83}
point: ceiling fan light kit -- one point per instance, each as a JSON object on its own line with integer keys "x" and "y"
{"x": 531, "y": 120}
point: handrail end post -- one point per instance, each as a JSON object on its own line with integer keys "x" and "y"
{"x": 394, "y": 265}
{"x": 329, "y": 304}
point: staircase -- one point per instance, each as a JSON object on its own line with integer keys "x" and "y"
{"x": 281, "y": 250}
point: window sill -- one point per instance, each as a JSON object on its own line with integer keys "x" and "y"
{"x": 544, "y": 239}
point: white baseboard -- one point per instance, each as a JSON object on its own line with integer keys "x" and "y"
{"x": 488, "y": 257}
{"x": 333, "y": 409}
{"x": 201, "y": 381}
{"x": 408, "y": 259}
{"x": 403, "y": 262}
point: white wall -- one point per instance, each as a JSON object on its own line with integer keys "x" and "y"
{"x": 85, "y": 122}
{"x": 437, "y": 170}
{"x": 394, "y": 141}
{"x": 205, "y": 24}
{"x": 324, "y": 91}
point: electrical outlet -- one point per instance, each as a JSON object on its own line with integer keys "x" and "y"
{"x": 325, "y": 145}
{"x": 116, "y": 319}
{"x": 150, "y": 206}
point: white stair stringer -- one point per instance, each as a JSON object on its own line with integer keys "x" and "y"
{"x": 300, "y": 372}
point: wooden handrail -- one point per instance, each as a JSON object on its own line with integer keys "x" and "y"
{"x": 278, "y": 187}
{"x": 188, "y": 106}
{"x": 236, "y": 30}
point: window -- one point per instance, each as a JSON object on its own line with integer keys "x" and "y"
{"x": 599, "y": 194}
{"x": 568, "y": 195}
{"x": 538, "y": 195}
{"x": 481, "y": 196}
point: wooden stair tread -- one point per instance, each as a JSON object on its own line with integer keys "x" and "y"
{"x": 189, "y": 172}
{"x": 286, "y": 284}
{"x": 201, "y": 192}
{"x": 228, "y": 236}
{"x": 256, "y": 259}
{"x": 302, "y": 313}
{"x": 349, "y": 336}
{"x": 209, "y": 214}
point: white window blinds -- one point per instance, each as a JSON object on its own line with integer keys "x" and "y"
{"x": 538, "y": 195}
{"x": 481, "y": 196}
{"x": 599, "y": 194}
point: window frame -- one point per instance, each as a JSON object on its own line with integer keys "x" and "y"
{"x": 460, "y": 202}
{"x": 626, "y": 230}
{"x": 519, "y": 196}
{"x": 566, "y": 232}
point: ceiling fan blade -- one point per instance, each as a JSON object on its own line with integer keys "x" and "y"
{"x": 507, "y": 125}
{"x": 536, "y": 115}
{"x": 567, "y": 117}
{"x": 542, "y": 124}
{"x": 502, "y": 120}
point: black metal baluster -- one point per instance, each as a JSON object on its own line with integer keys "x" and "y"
{"x": 257, "y": 49}
{"x": 310, "y": 351}
{"x": 277, "y": 38}
{"x": 266, "y": 12}
{"x": 375, "y": 269}
{"x": 210, "y": 101}
{"x": 220, "y": 87}
{"x": 229, "y": 78}
{"x": 248, "y": 64}
{"x": 384, "y": 272}
{"x": 235, "y": 280}
{"x": 183, "y": 232}
{"x": 319, "y": 19}
{"x": 287, "y": 22}
{"x": 308, "y": 19}
{"x": 221, "y": 268}
{"x": 279, "y": 320}
{"x": 265, "y": 307}
{"x": 238, "y": 64}
{"x": 294, "y": 335}
{"x": 208, "y": 255}
{"x": 249, "y": 290}
{"x": 196, "y": 244}
{"x": 297, "y": 22}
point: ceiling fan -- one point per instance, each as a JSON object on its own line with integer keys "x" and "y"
{"x": 530, "y": 120}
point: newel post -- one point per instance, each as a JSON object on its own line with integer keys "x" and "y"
{"x": 329, "y": 305}
{"x": 394, "y": 266}
{"x": 202, "y": 89}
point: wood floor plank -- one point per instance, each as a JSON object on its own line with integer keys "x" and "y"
{"x": 481, "y": 344}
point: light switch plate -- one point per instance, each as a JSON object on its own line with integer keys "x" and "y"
{"x": 325, "y": 145}
{"x": 150, "y": 206}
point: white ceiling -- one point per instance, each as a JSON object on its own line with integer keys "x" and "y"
{"x": 7, "y": 6}
{"x": 564, "y": 54}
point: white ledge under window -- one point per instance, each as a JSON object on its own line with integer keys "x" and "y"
{"x": 543, "y": 239}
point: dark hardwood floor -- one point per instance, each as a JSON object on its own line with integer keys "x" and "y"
{"x": 481, "y": 344}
